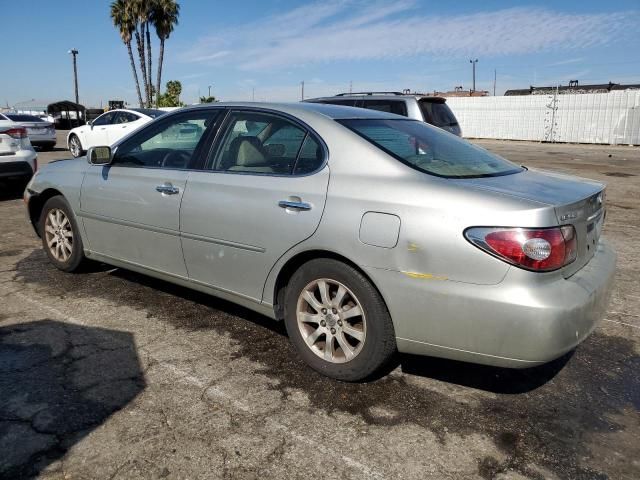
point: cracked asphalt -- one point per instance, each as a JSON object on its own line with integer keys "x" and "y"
{"x": 112, "y": 374}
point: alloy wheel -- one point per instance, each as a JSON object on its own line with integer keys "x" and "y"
{"x": 58, "y": 235}
{"x": 74, "y": 146}
{"x": 331, "y": 320}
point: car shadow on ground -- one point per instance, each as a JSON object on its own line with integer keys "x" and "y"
{"x": 482, "y": 377}
{"x": 58, "y": 382}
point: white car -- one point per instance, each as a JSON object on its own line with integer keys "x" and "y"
{"x": 41, "y": 133}
{"x": 108, "y": 128}
{"x": 18, "y": 159}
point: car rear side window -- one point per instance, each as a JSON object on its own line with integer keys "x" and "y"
{"x": 125, "y": 117}
{"x": 430, "y": 149}
{"x": 392, "y": 106}
{"x": 346, "y": 103}
{"x": 261, "y": 143}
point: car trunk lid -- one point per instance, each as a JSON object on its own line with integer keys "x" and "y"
{"x": 576, "y": 201}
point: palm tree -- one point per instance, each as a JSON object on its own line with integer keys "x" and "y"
{"x": 140, "y": 12}
{"x": 125, "y": 23}
{"x": 164, "y": 17}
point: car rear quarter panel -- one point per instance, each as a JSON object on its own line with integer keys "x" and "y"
{"x": 433, "y": 213}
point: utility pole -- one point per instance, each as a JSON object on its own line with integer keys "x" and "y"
{"x": 302, "y": 90}
{"x": 494, "y": 81}
{"x": 209, "y": 91}
{"x": 473, "y": 63}
{"x": 74, "y": 52}
{"x": 350, "y": 86}
{"x": 253, "y": 94}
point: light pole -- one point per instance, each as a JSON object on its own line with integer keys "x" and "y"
{"x": 209, "y": 91}
{"x": 74, "y": 52}
{"x": 473, "y": 63}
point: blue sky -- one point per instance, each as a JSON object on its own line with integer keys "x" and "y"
{"x": 269, "y": 47}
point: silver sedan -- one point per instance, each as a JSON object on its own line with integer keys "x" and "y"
{"x": 366, "y": 232}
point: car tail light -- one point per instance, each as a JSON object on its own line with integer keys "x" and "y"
{"x": 18, "y": 132}
{"x": 538, "y": 249}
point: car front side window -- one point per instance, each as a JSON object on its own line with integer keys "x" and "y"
{"x": 172, "y": 143}
{"x": 104, "y": 119}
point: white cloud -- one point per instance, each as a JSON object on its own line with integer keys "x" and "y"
{"x": 354, "y": 30}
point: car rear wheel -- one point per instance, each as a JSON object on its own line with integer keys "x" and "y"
{"x": 60, "y": 237}
{"x": 338, "y": 321}
{"x": 75, "y": 147}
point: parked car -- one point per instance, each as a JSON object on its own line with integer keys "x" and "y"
{"x": 426, "y": 108}
{"x": 41, "y": 133}
{"x": 18, "y": 159}
{"x": 365, "y": 232}
{"x": 108, "y": 128}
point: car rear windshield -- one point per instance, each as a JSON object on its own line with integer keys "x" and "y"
{"x": 430, "y": 149}
{"x": 438, "y": 114}
{"x": 23, "y": 118}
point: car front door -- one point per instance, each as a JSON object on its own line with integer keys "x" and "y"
{"x": 263, "y": 192}
{"x": 131, "y": 208}
{"x": 96, "y": 134}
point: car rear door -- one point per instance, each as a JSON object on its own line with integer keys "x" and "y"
{"x": 123, "y": 123}
{"x": 262, "y": 191}
{"x": 131, "y": 208}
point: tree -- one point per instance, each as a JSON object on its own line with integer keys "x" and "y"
{"x": 140, "y": 11}
{"x": 208, "y": 99}
{"x": 164, "y": 17}
{"x": 124, "y": 22}
{"x": 134, "y": 18}
{"x": 172, "y": 96}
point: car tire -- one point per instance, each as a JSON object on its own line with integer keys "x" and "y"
{"x": 75, "y": 146}
{"x": 60, "y": 235}
{"x": 356, "y": 323}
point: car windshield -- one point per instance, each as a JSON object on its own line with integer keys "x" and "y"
{"x": 430, "y": 149}
{"x": 150, "y": 112}
{"x": 438, "y": 114}
{"x": 23, "y": 118}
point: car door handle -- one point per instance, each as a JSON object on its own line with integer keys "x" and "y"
{"x": 167, "y": 189}
{"x": 294, "y": 205}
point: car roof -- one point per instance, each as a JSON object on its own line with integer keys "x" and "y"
{"x": 335, "y": 112}
{"x": 379, "y": 96}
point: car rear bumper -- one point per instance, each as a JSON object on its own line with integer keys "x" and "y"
{"x": 49, "y": 142}
{"x": 513, "y": 324}
{"x": 18, "y": 164}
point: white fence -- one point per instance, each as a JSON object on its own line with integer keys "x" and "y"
{"x": 612, "y": 118}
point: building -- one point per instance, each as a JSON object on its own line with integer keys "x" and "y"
{"x": 459, "y": 92}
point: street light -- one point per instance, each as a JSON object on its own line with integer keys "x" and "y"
{"x": 473, "y": 62}
{"x": 74, "y": 52}
{"x": 209, "y": 91}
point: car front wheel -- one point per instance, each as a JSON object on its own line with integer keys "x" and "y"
{"x": 75, "y": 147}
{"x": 338, "y": 321}
{"x": 60, "y": 236}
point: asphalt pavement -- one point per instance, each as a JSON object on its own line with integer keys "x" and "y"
{"x": 112, "y": 374}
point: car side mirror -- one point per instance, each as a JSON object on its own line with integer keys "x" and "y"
{"x": 99, "y": 155}
{"x": 90, "y": 123}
